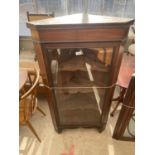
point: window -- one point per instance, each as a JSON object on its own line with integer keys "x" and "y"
{"x": 121, "y": 8}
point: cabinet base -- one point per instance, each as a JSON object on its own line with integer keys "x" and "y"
{"x": 99, "y": 129}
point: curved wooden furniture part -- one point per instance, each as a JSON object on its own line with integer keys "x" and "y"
{"x": 22, "y": 78}
{"x": 30, "y": 66}
{"x": 35, "y": 17}
{"x": 125, "y": 73}
{"x": 79, "y": 31}
{"x": 28, "y": 102}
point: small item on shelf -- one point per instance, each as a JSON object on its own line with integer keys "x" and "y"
{"x": 79, "y": 52}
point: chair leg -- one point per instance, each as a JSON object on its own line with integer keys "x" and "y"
{"x": 119, "y": 99}
{"x": 39, "y": 109}
{"x": 33, "y": 130}
{"x": 112, "y": 113}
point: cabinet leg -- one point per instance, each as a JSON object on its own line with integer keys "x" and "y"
{"x": 59, "y": 130}
{"x": 100, "y": 129}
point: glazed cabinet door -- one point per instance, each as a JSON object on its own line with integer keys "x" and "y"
{"x": 80, "y": 78}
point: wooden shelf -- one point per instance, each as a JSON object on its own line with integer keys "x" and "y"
{"x": 79, "y": 111}
{"x": 77, "y": 83}
{"x": 79, "y": 63}
{"x": 73, "y": 88}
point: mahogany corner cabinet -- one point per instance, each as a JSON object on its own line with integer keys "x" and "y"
{"x": 79, "y": 58}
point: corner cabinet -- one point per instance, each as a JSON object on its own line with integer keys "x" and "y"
{"x": 79, "y": 58}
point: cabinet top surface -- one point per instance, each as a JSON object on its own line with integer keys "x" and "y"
{"x": 77, "y": 19}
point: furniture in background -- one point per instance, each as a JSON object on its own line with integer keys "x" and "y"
{"x": 85, "y": 51}
{"x": 26, "y": 49}
{"x": 126, "y": 70}
{"x": 22, "y": 78}
{"x": 125, "y": 126}
{"x": 28, "y": 101}
{"x": 130, "y": 38}
{"x": 30, "y": 65}
{"x": 131, "y": 49}
{"x": 34, "y": 16}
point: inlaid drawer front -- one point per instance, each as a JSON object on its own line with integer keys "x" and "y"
{"x": 80, "y": 35}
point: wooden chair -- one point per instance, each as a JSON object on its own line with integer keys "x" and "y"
{"x": 33, "y": 16}
{"x": 30, "y": 65}
{"x": 28, "y": 101}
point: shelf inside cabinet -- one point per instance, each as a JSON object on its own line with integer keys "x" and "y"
{"x": 81, "y": 63}
{"x": 81, "y": 111}
{"x": 81, "y": 81}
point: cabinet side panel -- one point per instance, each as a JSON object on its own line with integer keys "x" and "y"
{"x": 42, "y": 65}
{"x": 114, "y": 74}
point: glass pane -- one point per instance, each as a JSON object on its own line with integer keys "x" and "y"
{"x": 79, "y": 107}
{"x": 79, "y": 77}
